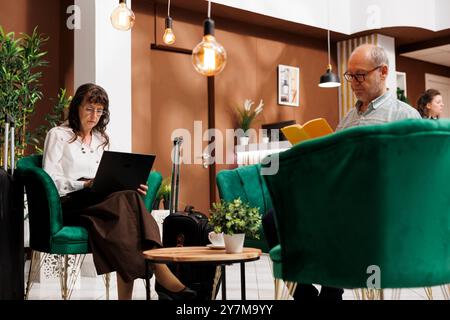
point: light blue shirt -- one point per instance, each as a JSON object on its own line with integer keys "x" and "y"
{"x": 383, "y": 109}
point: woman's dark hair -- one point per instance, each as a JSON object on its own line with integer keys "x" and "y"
{"x": 91, "y": 93}
{"x": 426, "y": 98}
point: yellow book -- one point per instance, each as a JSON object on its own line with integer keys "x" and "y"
{"x": 312, "y": 129}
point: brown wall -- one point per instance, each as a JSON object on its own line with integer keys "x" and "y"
{"x": 415, "y": 75}
{"x": 161, "y": 105}
{"x": 251, "y": 71}
{"x": 50, "y": 17}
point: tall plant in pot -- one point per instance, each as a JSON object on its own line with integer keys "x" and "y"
{"x": 21, "y": 62}
{"x": 235, "y": 219}
{"x": 245, "y": 116}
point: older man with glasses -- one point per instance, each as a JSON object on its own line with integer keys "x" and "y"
{"x": 367, "y": 71}
{"x": 368, "y": 68}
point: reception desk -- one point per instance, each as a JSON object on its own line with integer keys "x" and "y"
{"x": 254, "y": 153}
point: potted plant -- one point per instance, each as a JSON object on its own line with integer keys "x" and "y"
{"x": 235, "y": 219}
{"x": 245, "y": 117}
{"x": 401, "y": 95}
{"x": 21, "y": 62}
{"x": 163, "y": 194}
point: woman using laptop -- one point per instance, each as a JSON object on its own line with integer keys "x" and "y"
{"x": 119, "y": 225}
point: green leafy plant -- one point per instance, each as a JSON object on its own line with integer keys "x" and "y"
{"x": 235, "y": 217}
{"x": 20, "y": 89}
{"x": 246, "y": 115}
{"x": 401, "y": 95}
{"x": 164, "y": 193}
{"x": 53, "y": 119}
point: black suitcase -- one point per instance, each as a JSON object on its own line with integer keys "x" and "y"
{"x": 11, "y": 225}
{"x": 187, "y": 228}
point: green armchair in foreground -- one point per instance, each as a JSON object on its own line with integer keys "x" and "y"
{"x": 47, "y": 231}
{"x": 246, "y": 183}
{"x": 365, "y": 207}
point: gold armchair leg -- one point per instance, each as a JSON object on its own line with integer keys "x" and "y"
{"x": 372, "y": 294}
{"x": 278, "y": 289}
{"x": 64, "y": 275}
{"x": 446, "y": 291}
{"x": 284, "y": 289}
{"x": 291, "y": 286}
{"x": 217, "y": 276}
{"x": 107, "y": 281}
{"x": 36, "y": 262}
{"x": 396, "y": 294}
{"x": 62, "y": 270}
{"x": 429, "y": 293}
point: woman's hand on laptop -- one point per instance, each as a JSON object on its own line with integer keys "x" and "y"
{"x": 88, "y": 183}
{"x": 143, "y": 188}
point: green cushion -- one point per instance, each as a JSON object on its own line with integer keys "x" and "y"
{"x": 70, "y": 240}
{"x": 275, "y": 256}
{"x": 246, "y": 183}
{"x": 366, "y": 196}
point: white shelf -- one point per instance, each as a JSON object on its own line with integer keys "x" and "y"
{"x": 254, "y": 153}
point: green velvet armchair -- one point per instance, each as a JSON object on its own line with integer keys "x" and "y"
{"x": 48, "y": 234}
{"x": 246, "y": 183}
{"x": 365, "y": 207}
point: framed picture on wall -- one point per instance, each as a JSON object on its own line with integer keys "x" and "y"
{"x": 288, "y": 85}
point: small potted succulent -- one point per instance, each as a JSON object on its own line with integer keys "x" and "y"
{"x": 235, "y": 219}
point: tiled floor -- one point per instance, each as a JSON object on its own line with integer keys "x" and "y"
{"x": 258, "y": 278}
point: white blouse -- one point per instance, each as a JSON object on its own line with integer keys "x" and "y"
{"x": 67, "y": 162}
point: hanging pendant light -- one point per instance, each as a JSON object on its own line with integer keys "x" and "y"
{"x": 329, "y": 79}
{"x": 209, "y": 57}
{"x": 122, "y": 18}
{"x": 169, "y": 36}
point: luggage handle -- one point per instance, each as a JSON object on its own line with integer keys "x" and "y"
{"x": 175, "y": 181}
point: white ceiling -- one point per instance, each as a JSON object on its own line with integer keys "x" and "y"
{"x": 437, "y": 55}
{"x": 352, "y": 16}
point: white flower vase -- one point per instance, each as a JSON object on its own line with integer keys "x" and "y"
{"x": 234, "y": 243}
{"x": 243, "y": 141}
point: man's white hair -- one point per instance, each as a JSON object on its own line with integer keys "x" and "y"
{"x": 379, "y": 56}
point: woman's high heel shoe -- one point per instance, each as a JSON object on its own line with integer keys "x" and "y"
{"x": 185, "y": 294}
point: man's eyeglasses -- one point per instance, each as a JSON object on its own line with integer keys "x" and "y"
{"x": 360, "y": 77}
{"x": 98, "y": 112}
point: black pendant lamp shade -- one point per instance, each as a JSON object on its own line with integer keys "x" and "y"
{"x": 329, "y": 79}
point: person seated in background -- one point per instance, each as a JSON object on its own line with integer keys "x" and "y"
{"x": 430, "y": 104}
{"x": 367, "y": 72}
{"x": 119, "y": 225}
